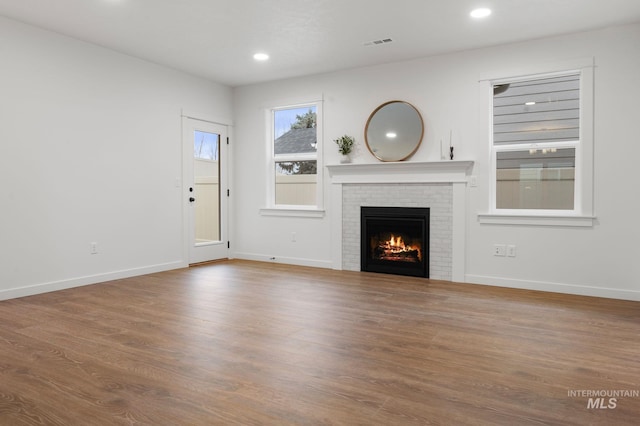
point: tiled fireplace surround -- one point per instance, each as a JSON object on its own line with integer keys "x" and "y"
{"x": 439, "y": 185}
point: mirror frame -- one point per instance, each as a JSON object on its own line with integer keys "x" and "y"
{"x": 416, "y": 143}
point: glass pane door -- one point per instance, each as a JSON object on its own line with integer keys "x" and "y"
{"x": 205, "y": 178}
{"x": 206, "y": 189}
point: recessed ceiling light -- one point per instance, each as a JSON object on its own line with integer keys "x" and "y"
{"x": 530, "y": 103}
{"x": 480, "y": 13}
{"x": 261, "y": 57}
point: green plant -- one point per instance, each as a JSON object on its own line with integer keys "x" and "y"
{"x": 345, "y": 144}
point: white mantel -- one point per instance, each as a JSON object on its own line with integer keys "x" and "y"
{"x": 454, "y": 172}
{"x": 401, "y": 172}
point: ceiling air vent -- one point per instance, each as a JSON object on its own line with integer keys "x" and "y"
{"x": 378, "y": 42}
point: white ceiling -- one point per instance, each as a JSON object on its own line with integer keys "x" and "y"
{"x": 217, "y": 38}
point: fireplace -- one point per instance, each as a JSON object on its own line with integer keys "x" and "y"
{"x": 395, "y": 240}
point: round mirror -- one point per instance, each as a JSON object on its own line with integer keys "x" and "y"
{"x": 394, "y": 131}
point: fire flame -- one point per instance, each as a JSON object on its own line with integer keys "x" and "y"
{"x": 397, "y": 245}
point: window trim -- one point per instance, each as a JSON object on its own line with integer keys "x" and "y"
{"x": 286, "y": 210}
{"x": 583, "y": 212}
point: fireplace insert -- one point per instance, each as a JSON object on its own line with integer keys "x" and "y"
{"x": 395, "y": 240}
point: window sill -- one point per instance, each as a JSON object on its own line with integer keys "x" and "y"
{"x": 312, "y": 212}
{"x": 543, "y": 220}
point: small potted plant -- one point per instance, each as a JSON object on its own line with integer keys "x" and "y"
{"x": 345, "y": 146}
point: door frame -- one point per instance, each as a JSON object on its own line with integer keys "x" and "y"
{"x": 188, "y": 124}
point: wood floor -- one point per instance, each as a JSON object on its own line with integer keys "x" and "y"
{"x": 252, "y": 343}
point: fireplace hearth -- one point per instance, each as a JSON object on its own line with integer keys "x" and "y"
{"x": 395, "y": 240}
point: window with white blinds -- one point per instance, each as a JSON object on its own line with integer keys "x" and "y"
{"x": 536, "y": 137}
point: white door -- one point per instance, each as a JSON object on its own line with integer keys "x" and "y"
{"x": 205, "y": 182}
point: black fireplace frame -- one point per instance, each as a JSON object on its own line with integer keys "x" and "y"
{"x": 400, "y": 214}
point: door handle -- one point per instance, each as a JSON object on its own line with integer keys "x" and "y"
{"x": 191, "y": 199}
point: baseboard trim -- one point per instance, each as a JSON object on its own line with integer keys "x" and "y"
{"x": 609, "y": 293}
{"x": 32, "y": 290}
{"x": 285, "y": 260}
{"x": 593, "y": 291}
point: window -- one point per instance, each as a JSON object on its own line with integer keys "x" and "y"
{"x": 295, "y": 182}
{"x": 541, "y": 144}
{"x": 536, "y": 179}
{"x": 205, "y": 145}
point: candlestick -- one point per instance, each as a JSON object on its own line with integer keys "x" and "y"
{"x": 451, "y": 144}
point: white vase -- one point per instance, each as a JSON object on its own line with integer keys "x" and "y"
{"x": 345, "y": 158}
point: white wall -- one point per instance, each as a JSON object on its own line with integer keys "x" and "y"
{"x": 90, "y": 151}
{"x": 602, "y": 260}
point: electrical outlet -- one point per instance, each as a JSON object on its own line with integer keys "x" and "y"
{"x": 511, "y": 251}
{"x": 499, "y": 250}
{"x": 93, "y": 248}
{"x": 293, "y": 237}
